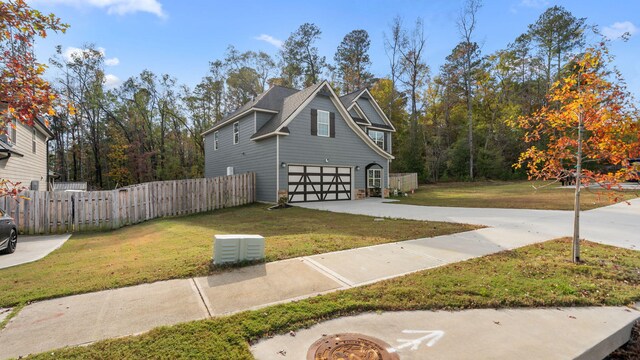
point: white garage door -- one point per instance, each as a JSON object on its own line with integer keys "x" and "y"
{"x": 319, "y": 183}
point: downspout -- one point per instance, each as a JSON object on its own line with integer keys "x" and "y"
{"x": 277, "y": 168}
{"x": 47, "y": 158}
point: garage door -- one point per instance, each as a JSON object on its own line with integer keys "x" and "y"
{"x": 319, "y": 183}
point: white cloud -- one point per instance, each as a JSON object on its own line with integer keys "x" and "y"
{"x": 119, "y": 7}
{"x": 271, "y": 40}
{"x": 72, "y": 53}
{"x": 536, "y": 4}
{"x": 112, "y": 62}
{"x": 618, "y": 29}
{"x": 111, "y": 81}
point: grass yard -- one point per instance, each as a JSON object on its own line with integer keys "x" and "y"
{"x": 533, "y": 276}
{"x": 509, "y": 195}
{"x": 182, "y": 247}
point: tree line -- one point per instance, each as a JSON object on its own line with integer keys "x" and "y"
{"x": 457, "y": 122}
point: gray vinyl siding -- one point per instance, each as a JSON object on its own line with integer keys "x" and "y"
{"x": 346, "y": 149}
{"x": 245, "y": 156}
{"x": 261, "y": 119}
{"x": 371, "y": 113}
{"x": 375, "y": 118}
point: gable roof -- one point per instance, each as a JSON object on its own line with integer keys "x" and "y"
{"x": 269, "y": 101}
{"x": 350, "y": 100}
{"x": 289, "y": 105}
{"x": 285, "y": 104}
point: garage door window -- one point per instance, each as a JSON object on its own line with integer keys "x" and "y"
{"x": 374, "y": 177}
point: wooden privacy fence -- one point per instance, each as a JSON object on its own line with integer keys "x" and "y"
{"x": 49, "y": 212}
{"x": 404, "y": 182}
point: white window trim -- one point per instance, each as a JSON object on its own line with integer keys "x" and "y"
{"x": 11, "y": 132}
{"x": 215, "y": 140}
{"x": 236, "y": 132}
{"x": 370, "y": 178}
{"x": 328, "y": 123}
{"x": 376, "y": 139}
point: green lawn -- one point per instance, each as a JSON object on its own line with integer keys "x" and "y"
{"x": 510, "y": 195}
{"x": 536, "y": 275}
{"x": 182, "y": 247}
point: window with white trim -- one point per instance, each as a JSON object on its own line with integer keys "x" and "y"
{"x": 374, "y": 178}
{"x": 215, "y": 140}
{"x": 377, "y": 137}
{"x": 10, "y": 132}
{"x": 323, "y": 123}
{"x": 236, "y": 132}
{"x": 33, "y": 140}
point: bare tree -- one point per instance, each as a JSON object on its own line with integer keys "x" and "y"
{"x": 393, "y": 42}
{"x": 466, "y": 26}
{"x": 414, "y": 76}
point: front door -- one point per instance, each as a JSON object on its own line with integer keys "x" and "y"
{"x": 374, "y": 180}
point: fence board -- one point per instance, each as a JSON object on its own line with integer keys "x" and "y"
{"x": 405, "y": 182}
{"x": 53, "y": 212}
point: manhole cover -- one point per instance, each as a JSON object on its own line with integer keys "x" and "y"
{"x": 350, "y": 346}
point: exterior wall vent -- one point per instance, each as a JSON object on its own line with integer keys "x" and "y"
{"x": 229, "y": 170}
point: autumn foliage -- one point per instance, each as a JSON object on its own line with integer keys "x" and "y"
{"x": 611, "y": 134}
{"x": 22, "y": 88}
{"x": 24, "y": 93}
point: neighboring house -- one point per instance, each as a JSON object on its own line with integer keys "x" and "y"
{"x": 24, "y": 153}
{"x": 305, "y": 145}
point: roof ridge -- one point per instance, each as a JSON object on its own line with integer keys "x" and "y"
{"x": 284, "y": 87}
{"x": 353, "y": 92}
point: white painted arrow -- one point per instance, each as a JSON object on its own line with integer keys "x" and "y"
{"x": 431, "y": 335}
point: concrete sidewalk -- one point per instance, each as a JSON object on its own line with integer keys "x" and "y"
{"x": 32, "y": 248}
{"x": 82, "y": 319}
{"x": 563, "y": 333}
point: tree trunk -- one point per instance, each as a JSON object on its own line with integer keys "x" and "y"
{"x": 575, "y": 253}
{"x": 469, "y": 113}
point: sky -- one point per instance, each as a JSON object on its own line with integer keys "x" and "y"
{"x": 181, "y": 37}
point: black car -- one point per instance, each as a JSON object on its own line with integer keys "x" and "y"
{"x": 8, "y": 234}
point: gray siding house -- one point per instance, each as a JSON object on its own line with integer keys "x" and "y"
{"x": 305, "y": 145}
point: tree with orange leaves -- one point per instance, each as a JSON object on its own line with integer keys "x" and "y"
{"x": 24, "y": 93}
{"x": 589, "y": 130}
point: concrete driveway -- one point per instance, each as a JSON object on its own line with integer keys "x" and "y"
{"x": 32, "y": 248}
{"x": 617, "y": 225}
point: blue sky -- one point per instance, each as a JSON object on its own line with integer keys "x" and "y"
{"x": 181, "y": 37}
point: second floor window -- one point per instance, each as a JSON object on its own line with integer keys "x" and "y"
{"x": 236, "y": 133}
{"x": 215, "y": 140}
{"x": 377, "y": 137}
{"x": 323, "y": 123}
{"x": 33, "y": 140}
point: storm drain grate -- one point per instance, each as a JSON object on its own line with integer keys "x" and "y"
{"x": 350, "y": 346}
